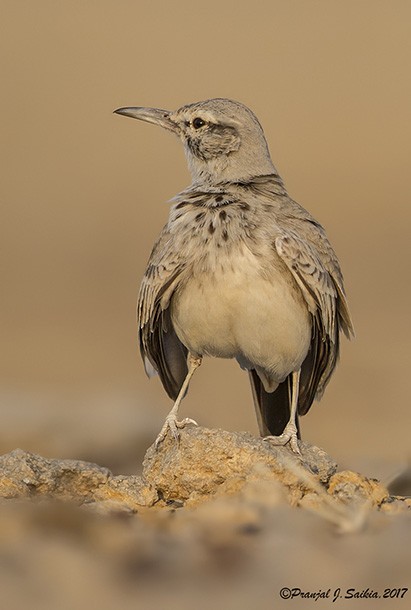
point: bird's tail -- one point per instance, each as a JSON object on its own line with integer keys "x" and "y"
{"x": 272, "y": 408}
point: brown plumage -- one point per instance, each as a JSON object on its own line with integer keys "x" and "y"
{"x": 240, "y": 271}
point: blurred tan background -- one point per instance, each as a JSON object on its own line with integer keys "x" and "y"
{"x": 83, "y": 196}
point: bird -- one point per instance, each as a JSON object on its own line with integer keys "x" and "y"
{"x": 239, "y": 271}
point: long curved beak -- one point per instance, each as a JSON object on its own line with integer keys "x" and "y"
{"x": 157, "y": 116}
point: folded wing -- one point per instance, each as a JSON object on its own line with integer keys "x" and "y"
{"x": 161, "y": 350}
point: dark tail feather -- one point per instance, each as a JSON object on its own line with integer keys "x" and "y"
{"x": 272, "y": 409}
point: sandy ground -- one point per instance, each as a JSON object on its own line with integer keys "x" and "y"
{"x": 220, "y": 520}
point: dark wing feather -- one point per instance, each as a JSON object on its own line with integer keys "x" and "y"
{"x": 160, "y": 347}
{"x": 321, "y": 357}
{"x": 315, "y": 268}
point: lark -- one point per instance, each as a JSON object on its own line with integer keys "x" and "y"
{"x": 239, "y": 271}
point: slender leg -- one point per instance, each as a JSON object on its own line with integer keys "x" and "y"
{"x": 290, "y": 431}
{"x": 171, "y": 422}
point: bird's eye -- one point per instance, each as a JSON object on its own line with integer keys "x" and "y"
{"x": 197, "y": 123}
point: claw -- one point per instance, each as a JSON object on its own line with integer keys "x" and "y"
{"x": 174, "y": 426}
{"x": 288, "y": 436}
{"x": 185, "y": 422}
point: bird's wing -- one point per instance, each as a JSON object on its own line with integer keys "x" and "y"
{"x": 315, "y": 268}
{"x": 295, "y": 217}
{"x": 161, "y": 350}
{"x": 315, "y": 282}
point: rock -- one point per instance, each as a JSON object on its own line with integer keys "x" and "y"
{"x": 24, "y": 475}
{"x": 395, "y": 505}
{"x": 240, "y": 472}
{"x": 206, "y": 462}
{"x": 130, "y": 490}
{"x": 350, "y": 486}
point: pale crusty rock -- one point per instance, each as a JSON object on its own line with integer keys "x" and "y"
{"x": 350, "y": 486}
{"x": 205, "y": 462}
{"x": 204, "y": 465}
{"x": 130, "y": 490}
{"x": 24, "y": 475}
{"x": 396, "y": 505}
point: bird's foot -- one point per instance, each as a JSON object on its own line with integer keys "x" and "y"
{"x": 174, "y": 426}
{"x": 288, "y": 436}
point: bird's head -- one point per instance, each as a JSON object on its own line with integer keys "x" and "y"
{"x": 223, "y": 140}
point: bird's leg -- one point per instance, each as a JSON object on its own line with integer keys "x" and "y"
{"x": 290, "y": 431}
{"x": 171, "y": 422}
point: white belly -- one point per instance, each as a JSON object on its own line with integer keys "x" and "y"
{"x": 235, "y": 312}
